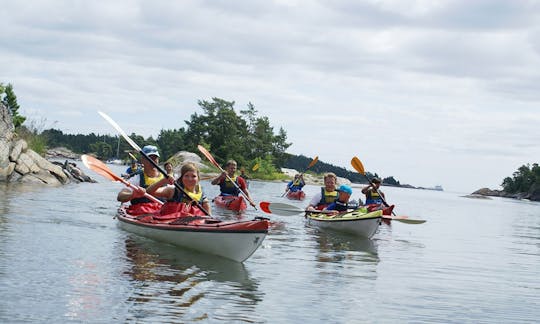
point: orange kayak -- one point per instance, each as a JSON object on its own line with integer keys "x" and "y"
{"x": 234, "y": 203}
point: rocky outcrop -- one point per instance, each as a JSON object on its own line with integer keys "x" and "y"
{"x": 533, "y": 194}
{"x": 20, "y": 164}
{"x": 182, "y": 157}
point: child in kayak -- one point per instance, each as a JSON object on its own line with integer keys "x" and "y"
{"x": 296, "y": 184}
{"x": 342, "y": 203}
{"x": 178, "y": 204}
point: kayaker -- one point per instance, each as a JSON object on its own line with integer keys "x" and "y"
{"x": 131, "y": 170}
{"x": 169, "y": 169}
{"x": 179, "y": 204}
{"x": 342, "y": 203}
{"x": 327, "y": 195}
{"x": 226, "y": 187}
{"x": 145, "y": 177}
{"x": 244, "y": 176}
{"x": 296, "y": 184}
{"x": 372, "y": 192}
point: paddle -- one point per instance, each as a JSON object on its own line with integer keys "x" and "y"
{"x": 102, "y": 169}
{"x": 214, "y": 162}
{"x": 154, "y": 164}
{"x": 358, "y": 166}
{"x": 312, "y": 163}
{"x": 290, "y": 210}
{"x": 255, "y": 167}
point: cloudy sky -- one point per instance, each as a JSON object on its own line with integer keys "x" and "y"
{"x": 430, "y": 92}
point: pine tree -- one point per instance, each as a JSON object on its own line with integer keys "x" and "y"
{"x": 10, "y": 101}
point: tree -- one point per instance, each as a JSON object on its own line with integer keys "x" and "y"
{"x": 10, "y": 101}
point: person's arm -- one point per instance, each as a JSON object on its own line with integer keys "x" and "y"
{"x": 158, "y": 189}
{"x": 314, "y": 202}
{"x": 366, "y": 189}
{"x": 127, "y": 194}
{"x": 219, "y": 178}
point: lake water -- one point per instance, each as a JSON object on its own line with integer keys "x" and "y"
{"x": 63, "y": 259}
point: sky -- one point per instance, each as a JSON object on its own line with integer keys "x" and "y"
{"x": 429, "y": 92}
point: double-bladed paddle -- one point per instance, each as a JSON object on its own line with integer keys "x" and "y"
{"x": 290, "y": 210}
{"x": 154, "y": 164}
{"x": 102, "y": 169}
{"x": 312, "y": 163}
{"x": 210, "y": 158}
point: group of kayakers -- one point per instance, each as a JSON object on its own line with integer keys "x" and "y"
{"x": 184, "y": 195}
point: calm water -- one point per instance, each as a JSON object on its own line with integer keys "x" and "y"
{"x": 63, "y": 259}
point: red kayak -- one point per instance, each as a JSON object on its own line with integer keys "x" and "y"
{"x": 234, "y": 203}
{"x": 235, "y": 240}
{"x": 296, "y": 195}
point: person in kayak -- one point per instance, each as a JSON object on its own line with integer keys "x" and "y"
{"x": 327, "y": 195}
{"x": 169, "y": 169}
{"x": 373, "y": 195}
{"x": 296, "y": 184}
{"x": 145, "y": 177}
{"x": 226, "y": 187}
{"x": 131, "y": 170}
{"x": 342, "y": 203}
{"x": 178, "y": 204}
{"x": 244, "y": 176}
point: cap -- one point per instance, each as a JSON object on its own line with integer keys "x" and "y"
{"x": 150, "y": 150}
{"x": 345, "y": 188}
{"x": 376, "y": 180}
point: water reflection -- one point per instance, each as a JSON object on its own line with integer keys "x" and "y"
{"x": 173, "y": 284}
{"x": 334, "y": 246}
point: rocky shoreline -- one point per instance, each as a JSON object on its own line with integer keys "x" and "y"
{"x": 19, "y": 164}
{"x": 483, "y": 193}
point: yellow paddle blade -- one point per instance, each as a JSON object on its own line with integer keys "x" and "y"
{"x": 312, "y": 163}
{"x": 357, "y": 165}
{"x": 255, "y": 167}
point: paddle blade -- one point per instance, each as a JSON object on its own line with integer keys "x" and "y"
{"x": 119, "y": 130}
{"x": 357, "y": 165}
{"x": 313, "y": 162}
{"x": 98, "y": 167}
{"x": 255, "y": 167}
{"x": 209, "y": 156}
{"x": 280, "y": 209}
{"x": 404, "y": 219}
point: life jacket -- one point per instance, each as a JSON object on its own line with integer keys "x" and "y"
{"x": 373, "y": 197}
{"x": 295, "y": 185}
{"x": 144, "y": 182}
{"x": 228, "y": 188}
{"x": 326, "y": 198}
{"x": 180, "y": 205}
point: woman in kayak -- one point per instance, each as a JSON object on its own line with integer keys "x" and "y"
{"x": 327, "y": 195}
{"x": 143, "y": 178}
{"x": 181, "y": 203}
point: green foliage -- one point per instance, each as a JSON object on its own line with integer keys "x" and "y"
{"x": 9, "y": 99}
{"x": 523, "y": 180}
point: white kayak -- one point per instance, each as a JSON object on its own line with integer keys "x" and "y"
{"x": 358, "y": 222}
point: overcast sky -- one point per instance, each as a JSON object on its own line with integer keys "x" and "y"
{"x": 430, "y": 92}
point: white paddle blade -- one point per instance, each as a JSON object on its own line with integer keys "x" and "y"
{"x": 120, "y": 130}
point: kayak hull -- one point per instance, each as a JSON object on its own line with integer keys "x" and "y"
{"x": 234, "y": 203}
{"x": 234, "y": 240}
{"x": 296, "y": 195}
{"x": 356, "y": 222}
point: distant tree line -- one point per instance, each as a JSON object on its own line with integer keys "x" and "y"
{"x": 300, "y": 163}
{"x": 525, "y": 179}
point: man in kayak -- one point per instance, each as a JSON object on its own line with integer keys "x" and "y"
{"x": 142, "y": 179}
{"x": 342, "y": 203}
{"x": 373, "y": 195}
{"x": 228, "y": 188}
{"x": 327, "y": 195}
